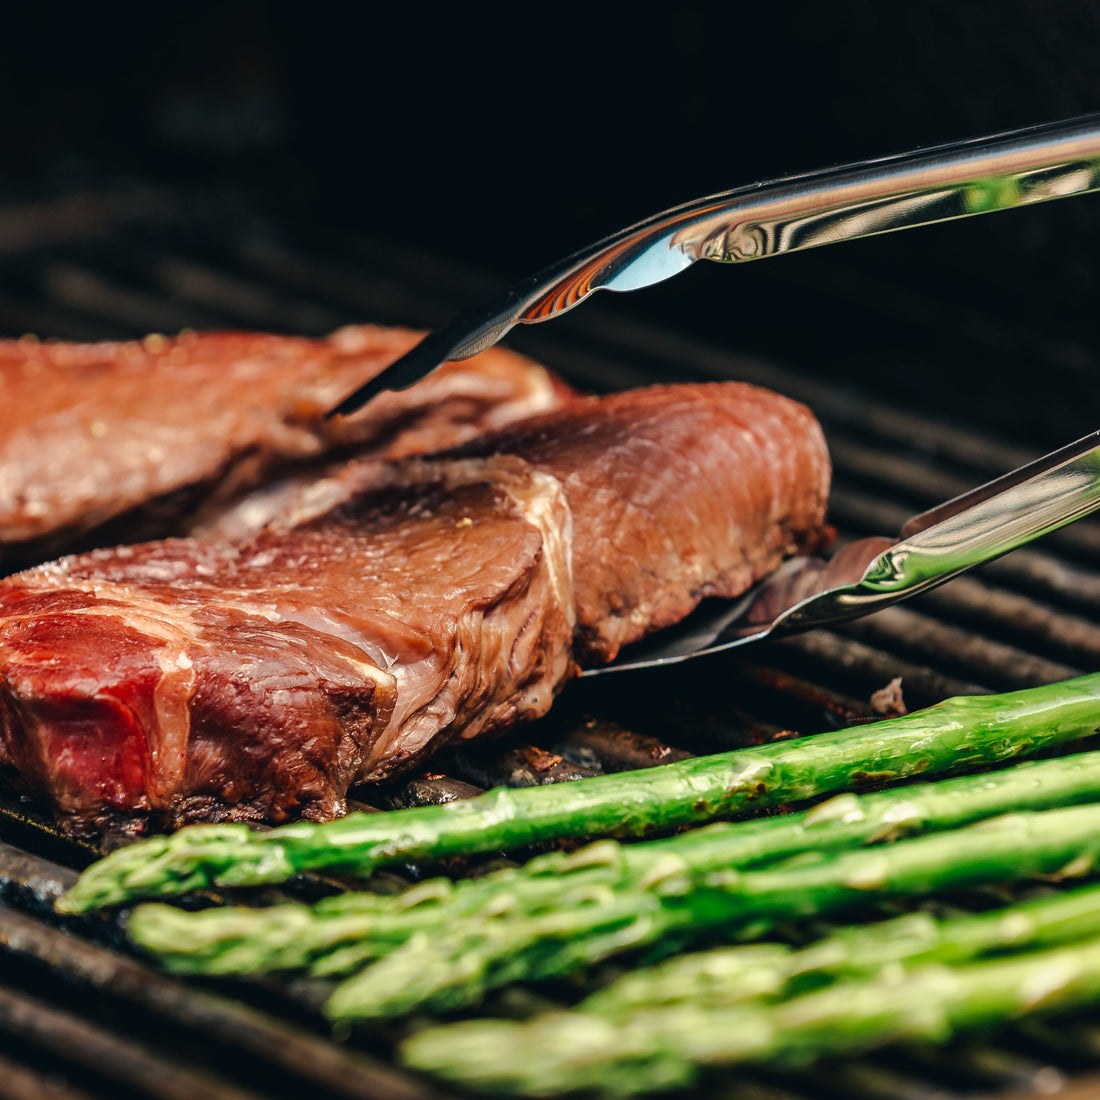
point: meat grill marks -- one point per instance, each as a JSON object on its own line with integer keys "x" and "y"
{"x": 131, "y": 440}
{"x": 397, "y": 606}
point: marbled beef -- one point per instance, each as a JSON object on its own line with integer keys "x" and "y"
{"x": 394, "y": 607}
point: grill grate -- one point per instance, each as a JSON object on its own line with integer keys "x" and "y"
{"x": 81, "y": 1017}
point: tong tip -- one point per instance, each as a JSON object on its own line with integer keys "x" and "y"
{"x": 418, "y": 362}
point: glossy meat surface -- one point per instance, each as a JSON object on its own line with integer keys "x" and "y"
{"x": 391, "y": 607}
{"x": 677, "y": 493}
{"x": 198, "y": 680}
{"x": 134, "y": 438}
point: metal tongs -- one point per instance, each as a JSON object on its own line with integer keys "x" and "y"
{"x": 767, "y": 219}
{"x": 875, "y": 572}
{"x": 996, "y": 172}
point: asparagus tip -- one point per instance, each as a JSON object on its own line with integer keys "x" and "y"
{"x": 159, "y": 866}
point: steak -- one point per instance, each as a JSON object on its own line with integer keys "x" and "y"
{"x": 677, "y": 492}
{"x": 130, "y": 440}
{"x": 394, "y": 607}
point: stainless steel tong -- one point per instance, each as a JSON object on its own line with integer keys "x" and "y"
{"x": 767, "y": 219}
{"x": 996, "y": 172}
{"x": 875, "y": 572}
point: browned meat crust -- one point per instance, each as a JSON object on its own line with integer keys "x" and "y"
{"x": 198, "y": 680}
{"x": 677, "y": 492}
{"x": 394, "y": 607}
{"x": 130, "y": 439}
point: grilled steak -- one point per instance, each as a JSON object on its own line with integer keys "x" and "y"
{"x": 137, "y": 436}
{"x": 203, "y": 679}
{"x": 677, "y": 493}
{"x": 396, "y": 606}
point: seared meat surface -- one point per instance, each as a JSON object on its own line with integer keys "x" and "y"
{"x": 677, "y": 492}
{"x": 392, "y": 606}
{"x": 131, "y": 439}
{"x": 198, "y": 680}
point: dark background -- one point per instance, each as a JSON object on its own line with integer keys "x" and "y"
{"x": 506, "y": 136}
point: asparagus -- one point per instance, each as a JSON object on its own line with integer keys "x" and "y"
{"x": 454, "y": 968}
{"x": 955, "y": 734}
{"x": 729, "y": 975}
{"x": 344, "y": 932}
{"x": 665, "y": 1048}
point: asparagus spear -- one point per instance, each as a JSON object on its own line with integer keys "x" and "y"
{"x": 729, "y": 975}
{"x": 954, "y": 734}
{"x": 455, "y": 967}
{"x": 344, "y": 932}
{"x": 664, "y": 1048}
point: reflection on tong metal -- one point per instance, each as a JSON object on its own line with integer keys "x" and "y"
{"x": 875, "y": 572}
{"x": 768, "y": 219}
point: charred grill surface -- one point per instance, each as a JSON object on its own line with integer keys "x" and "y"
{"x": 80, "y": 1016}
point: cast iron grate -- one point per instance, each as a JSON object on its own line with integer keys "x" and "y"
{"x": 80, "y": 1016}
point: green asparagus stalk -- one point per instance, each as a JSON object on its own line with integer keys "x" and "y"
{"x": 345, "y": 932}
{"x": 955, "y": 734}
{"x": 666, "y": 1048}
{"x": 730, "y": 975}
{"x": 454, "y": 968}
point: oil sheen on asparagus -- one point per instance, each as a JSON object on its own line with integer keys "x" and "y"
{"x": 343, "y": 933}
{"x": 955, "y": 734}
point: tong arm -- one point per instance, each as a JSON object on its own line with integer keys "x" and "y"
{"x": 876, "y": 572}
{"x": 768, "y": 219}
{"x": 972, "y": 530}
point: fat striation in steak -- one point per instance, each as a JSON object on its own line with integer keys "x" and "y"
{"x": 130, "y": 440}
{"x": 392, "y": 607}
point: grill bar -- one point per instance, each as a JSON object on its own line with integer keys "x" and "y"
{"x": 241, "y": 1031}
{"x": 1002, "y": 667}
{"x": 21, "y": 1083}
{"x": 100, "y": 1051}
